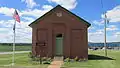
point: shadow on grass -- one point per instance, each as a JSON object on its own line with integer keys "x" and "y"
{"x": 98, "y": 57}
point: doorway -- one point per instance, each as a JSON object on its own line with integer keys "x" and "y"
{"x": 59, "y": 45}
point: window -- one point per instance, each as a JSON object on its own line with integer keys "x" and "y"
{"x": 59, "y": 35}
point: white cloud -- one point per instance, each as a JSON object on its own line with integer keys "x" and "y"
{"x": 116, "y": 34}
{"x": 114, "y": 14}
{"x": 98, "y": 22}
{"x": 33, "y": 12}
{"x": 97, "y": 36}
{"x": 37, "y": 12}
{"x": 30, "y": 3}
{"x": 47, "y": 7}
{"x": 114, "y": 38}
{"x": 98, "y": 32}
{"x": 6, "y": 35}
{"x": 7, "y": 23}
{"x": 111, "y": 28}
{"x": 6, "y": 11}
{"x": 23, "y": 31}
{"x": 28, "y": 18}
{"x": 71, "y": 4}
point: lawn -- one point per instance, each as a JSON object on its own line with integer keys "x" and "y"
{"x": 21, "y": 61}
{"x": 7, "y": 48}
{"x": 97, "y": 60}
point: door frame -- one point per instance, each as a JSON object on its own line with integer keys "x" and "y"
{"x": 62, "y": 48}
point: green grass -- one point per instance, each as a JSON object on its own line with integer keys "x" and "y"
{"x": 7, "y": 48}
{"x": 100, "y": 62}
{"x": 21, "y": 61}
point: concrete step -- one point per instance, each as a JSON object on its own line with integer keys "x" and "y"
{"x": 58, "y": 58}
{"x": 56, "y": 64}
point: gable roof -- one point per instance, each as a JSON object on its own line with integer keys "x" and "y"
{"x": 40, "y": 18}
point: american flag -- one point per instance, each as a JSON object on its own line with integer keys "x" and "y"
{"x": 16, "y": 16}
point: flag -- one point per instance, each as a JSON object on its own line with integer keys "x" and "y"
{"x": 16, "y": 16}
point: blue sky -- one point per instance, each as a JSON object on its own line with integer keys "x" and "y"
{"x": 90, "y": 10}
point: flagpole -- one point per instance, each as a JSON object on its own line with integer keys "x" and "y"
{"x": 16, "y": 18}
{"x": 13, "y": 57}
{"x": 105, "y": 21}
{"x": 105, "y": 45}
